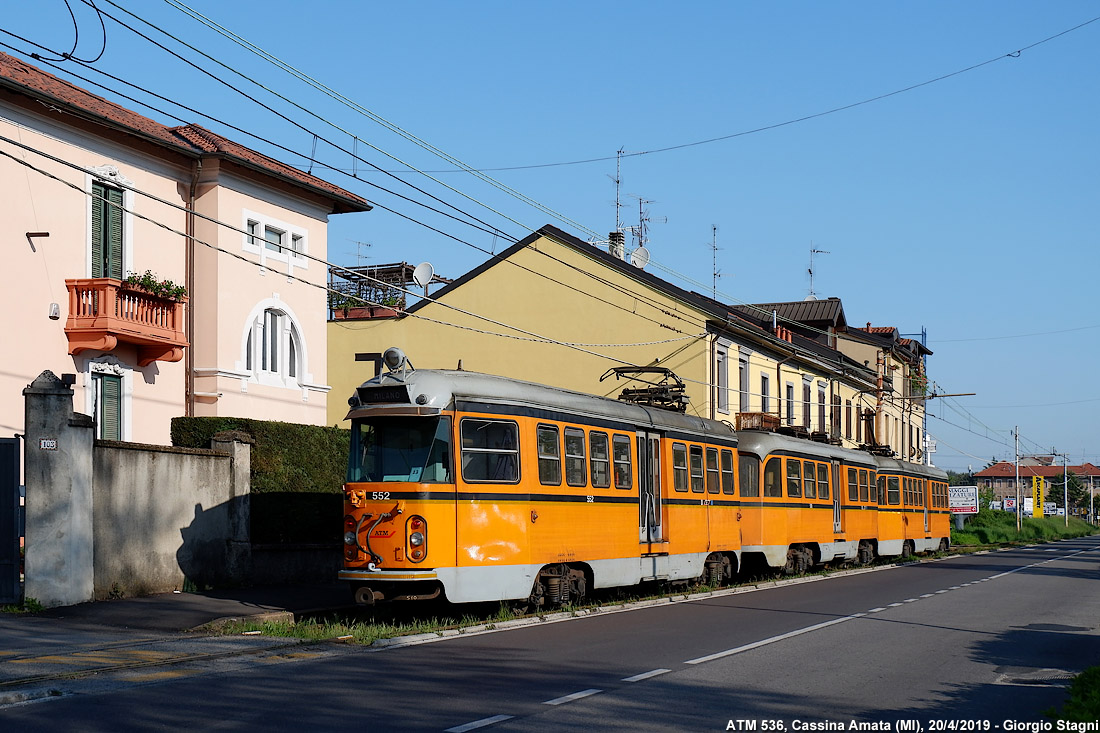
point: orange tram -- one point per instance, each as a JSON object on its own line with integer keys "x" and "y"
{"x": 483, "y": 488}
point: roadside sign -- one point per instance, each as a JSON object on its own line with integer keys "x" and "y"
{"x": 1010, "y": 503}
{"x": 995, "y": 505}
{"x": 963, "y": 499}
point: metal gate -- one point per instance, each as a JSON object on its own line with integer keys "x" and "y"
{"x": 10, "y": 524}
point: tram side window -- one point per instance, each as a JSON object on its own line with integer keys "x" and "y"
{"x": 853, "y": 484}
{"x": 809, "y": 480}
{"x": 696, "y": 454}
{"x": 822, "y": 481}
{"x": 620, "y": 453}
{"x": 748, "y": 475}
{"x": 549, "y": 455}
{"x": 679, "y": 467}
{"x": 882, "y": 491}
{"x": 794, "y": 477}
{"x": 490, "y": 451}
{"x": 601, "y": 460}
{"x": 713, "y": 475}
{"x": 575, "y": 474}
{"x": 864, "y": 485}
{"x": 893, "y": 493}
{"x": 773, "y": 481}
{"x": 727, "y": 472}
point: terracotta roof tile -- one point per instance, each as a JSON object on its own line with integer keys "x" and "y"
{"x": 1004, "y": 469}
{"x": 192, "y": 140}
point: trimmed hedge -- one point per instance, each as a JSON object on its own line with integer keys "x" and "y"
{"x": 297, "y": 474}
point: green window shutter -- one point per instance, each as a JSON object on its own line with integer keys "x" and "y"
{"x": 98, "y": 193}
{"x": 106, "y": 231}
{"x": 109, "y": 396}
{"x": 114, "y": 233}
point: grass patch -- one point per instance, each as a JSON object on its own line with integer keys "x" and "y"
{"x": 1083, "y": 705}
{"x": 29, "y": 605}
{"x": 363, "y": 632}
{"x": 990, "y": 527}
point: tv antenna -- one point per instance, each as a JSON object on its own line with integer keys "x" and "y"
{"x": 618, "y": 179}
{"x": 813, "y": 251}
{"x": 641, "y": 231}
{"x": 359, "y": 256}
{"x": 714, "y": 259}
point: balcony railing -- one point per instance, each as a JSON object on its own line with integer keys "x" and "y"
{"x": 104, "y": 313}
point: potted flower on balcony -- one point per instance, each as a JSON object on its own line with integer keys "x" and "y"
{"x": 150, "y": 283}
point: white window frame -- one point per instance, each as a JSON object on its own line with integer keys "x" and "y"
{"x": 722, "y": 378}
{"x": 293, "y": 249}
{"x": 253, "y": 349}
{"x": 109, "y": 365}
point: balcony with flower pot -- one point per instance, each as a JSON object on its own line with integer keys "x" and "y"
{"x": 140, "y": 310}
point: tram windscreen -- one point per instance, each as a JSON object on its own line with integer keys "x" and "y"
{"x": 415, "y": 449}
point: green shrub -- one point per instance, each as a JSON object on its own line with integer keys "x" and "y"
{"x": 1083, "y": 705}
{"x": 297, "y": 473}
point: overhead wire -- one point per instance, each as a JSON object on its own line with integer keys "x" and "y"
{"x": 804, "y": 118}
{"x": 374, "y": 117}
{"x": 655, "y": 263}
{"x": 292, "y": 103}
{"x": 545, "y": 339}
{"x": 229, "y": 125}
{"x": 638, "y": 296}
{"x": 271, "y": 58}
{"x": 161, "y": 46}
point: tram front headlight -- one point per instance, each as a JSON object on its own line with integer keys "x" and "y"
{"x": 416, "y": 539}
{"x": 349, "y": 538}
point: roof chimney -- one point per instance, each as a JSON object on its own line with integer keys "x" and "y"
{"x": 616, "y": 245}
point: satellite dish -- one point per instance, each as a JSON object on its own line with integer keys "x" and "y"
{"x": 639, "y": 257}
{"x": 423, "y": 274}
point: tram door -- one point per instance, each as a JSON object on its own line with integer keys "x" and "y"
{"x": 925, "y": 495}
{"x": 838, "y": 525}
{"x": 649, "y": 487}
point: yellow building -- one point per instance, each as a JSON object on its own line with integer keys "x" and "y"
{"x": 557, "y": 310}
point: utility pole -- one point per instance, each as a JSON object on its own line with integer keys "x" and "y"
{"x": 1016, "y": 434}
{"x": 1065, "y": 487}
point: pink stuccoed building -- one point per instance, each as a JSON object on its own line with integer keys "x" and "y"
{"x": 93, "y": 192}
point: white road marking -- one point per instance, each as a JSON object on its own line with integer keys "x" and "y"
{"x": 909, "y": 600}
{"x": 876, "y": 610}
{"x": 479, "y": 724}
{"x": 927, "y": 595}
{"x": 772, "y": 640}
{"x": 574, "y": 696}
{"x": 895, "y": 605}
{"x": 645, "y": 675}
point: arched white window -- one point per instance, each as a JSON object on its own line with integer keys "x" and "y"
{"x": 274, "y": 353}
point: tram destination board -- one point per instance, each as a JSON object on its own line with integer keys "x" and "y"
{"x": 383, "y": 394}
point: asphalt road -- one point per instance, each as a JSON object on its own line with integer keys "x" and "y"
{"x": 988, "y": 640}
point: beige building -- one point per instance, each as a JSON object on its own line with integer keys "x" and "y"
{"x": 557, "y": 310}
{"x": 94, "y": 192}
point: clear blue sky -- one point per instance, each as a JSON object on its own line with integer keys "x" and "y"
{"x": 968, "y": 207}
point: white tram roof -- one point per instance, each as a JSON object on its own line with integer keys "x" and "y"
{"x": 430, "y": 391}
{"x": 761, "y": 443}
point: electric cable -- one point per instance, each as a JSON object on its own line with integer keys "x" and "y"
{"x": 286, "y": 118}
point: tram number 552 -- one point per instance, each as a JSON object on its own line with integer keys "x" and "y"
{"x": 380, "y": 495}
